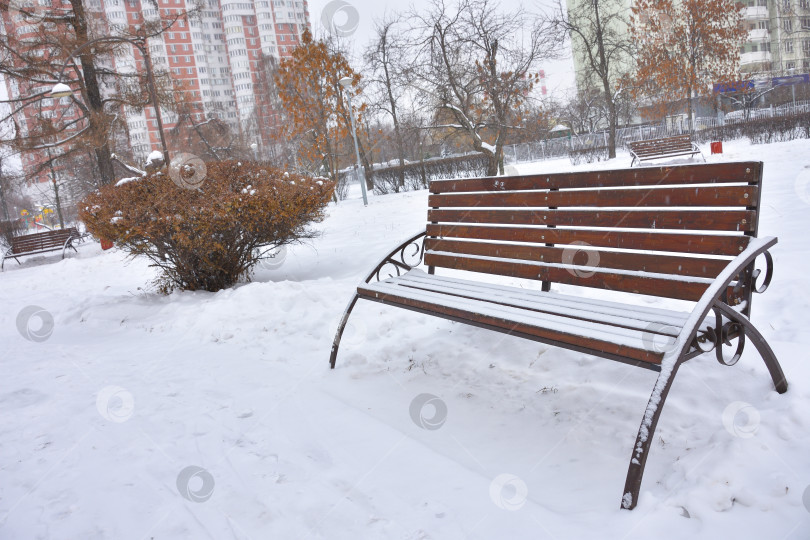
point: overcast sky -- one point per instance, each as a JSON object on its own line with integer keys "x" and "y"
{"x": 559, "y": 73}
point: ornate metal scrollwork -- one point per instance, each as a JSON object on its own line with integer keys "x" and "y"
{"x": 721, "y": 334}
{"x": 406, "y": 257}
{"x": 768, "y": 274}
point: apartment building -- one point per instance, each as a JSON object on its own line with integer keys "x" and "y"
{"x": 216, "y": 57}
{"x": 778, "y": 42}
{"x": 778, "y": 38}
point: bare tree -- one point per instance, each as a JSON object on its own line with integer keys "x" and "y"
{"x": 387, "y": 76}
{"x": 93, "y": 116}
{"x": 474, "y": 66}
{"x": 600, "y": 38}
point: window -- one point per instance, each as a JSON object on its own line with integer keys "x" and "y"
{"x": 787, "y": 25}
{"x": 788, "y": 46}
{"x": 790, "y": 65}
{"x": 806, "y": 23}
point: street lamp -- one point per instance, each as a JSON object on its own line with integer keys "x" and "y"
{"x": 254, "y": 147}
{"x": 61, "y": 89}
{"x": 345, "y": 82}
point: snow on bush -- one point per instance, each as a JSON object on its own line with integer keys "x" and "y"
{"x": 207, "y": 238}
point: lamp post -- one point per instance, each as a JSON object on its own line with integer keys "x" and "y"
{"x": 345, "y": 82}
{"x": 61, "y": 89}
{"x": 254, "y": 147}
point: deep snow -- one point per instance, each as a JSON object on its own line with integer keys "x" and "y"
{"x": 102, "y": 420}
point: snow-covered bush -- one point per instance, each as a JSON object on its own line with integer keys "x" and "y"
{"x": 208, "y": 236}
{"x": 778, "y": 128}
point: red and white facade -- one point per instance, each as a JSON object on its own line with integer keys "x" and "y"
{"x": 215, "y": 56}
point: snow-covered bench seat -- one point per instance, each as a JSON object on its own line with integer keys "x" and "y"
{"x": 686, "y": 232}
{"x": 680, "y": 145}
{"x": 41, "y": 242}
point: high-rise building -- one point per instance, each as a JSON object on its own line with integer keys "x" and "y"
{"x": 778, "y": 38}
{"x": 216, "y": 57}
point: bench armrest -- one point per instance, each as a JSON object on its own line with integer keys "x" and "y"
{"x": 756, "y": 247}
{"x": 400, "y": 258}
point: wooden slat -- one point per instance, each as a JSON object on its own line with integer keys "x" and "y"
{"x": 660, "y": 147}
{"x": 587, "y": 258}
{"x": 667, "y": 150}
{"x": 678, "y": 139}
{"x": 651, "y": 285}
{"x": 725, "y": 220}
{"x": 702, "y": 244}
{"x": 680, "y": 196}
{"x": 653, "y": 155}
{"x": 434, "y": 308}
{"x": 712, "y": 173}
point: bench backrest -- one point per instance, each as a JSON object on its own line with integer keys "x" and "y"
{"x": 668, "y": 145}
{"x": 598, "y": 229}
{"x": 42, "y": 240}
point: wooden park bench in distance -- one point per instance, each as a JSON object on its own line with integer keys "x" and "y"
{"x": 546, "y": 228}
{"x": 668, "y": 147}
{"x": 41, "y": 242}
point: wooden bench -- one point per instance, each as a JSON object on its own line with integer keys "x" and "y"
{"x": 41, "y": 242}
{"x": 621, "y": 236}
{"x": 681, "y": 145}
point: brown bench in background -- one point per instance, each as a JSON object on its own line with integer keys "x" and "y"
{"x": 41, "y": 242}
{"x": 523, "y": 227}
{"x": 668, "y": 147}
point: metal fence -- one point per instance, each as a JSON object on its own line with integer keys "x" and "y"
{"x": 562, "y": 147}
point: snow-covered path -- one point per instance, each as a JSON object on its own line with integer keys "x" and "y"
{"x": 100, "y": 422}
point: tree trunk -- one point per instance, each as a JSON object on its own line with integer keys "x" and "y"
{"x": 612, "y": 121}
{"x": 3, "y": 198}
{"x": 393, "y": 103}
{"x": 94, "y": 100}
{"x": 400, "y": 151}
{"x": 58, "y": 203}
{"x": 604, "y": 73}
{"x": 367, "y": 168}
{"x": 689, "y": 100}
{"x": 492, "y": 164}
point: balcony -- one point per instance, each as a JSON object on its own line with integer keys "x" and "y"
{"x": 756, "y": 12}
{"x": 754, "y": 57}
{"x": 760, "y": 34}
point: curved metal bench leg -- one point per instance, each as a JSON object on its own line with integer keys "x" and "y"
{"x": 765, "y": 351}
{"x": 644, "y": 439}
{"x": 340, "y": 329}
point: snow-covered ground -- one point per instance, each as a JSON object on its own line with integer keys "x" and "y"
{"x": 203, "y": 415}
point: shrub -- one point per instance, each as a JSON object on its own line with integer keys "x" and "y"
{"x": 588, "y": 155}
{"x": 207, "y": 238}
{"x": 10, "y": 229}
{"x": 419, "y": 173}
{"x": 778, "y": 128}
